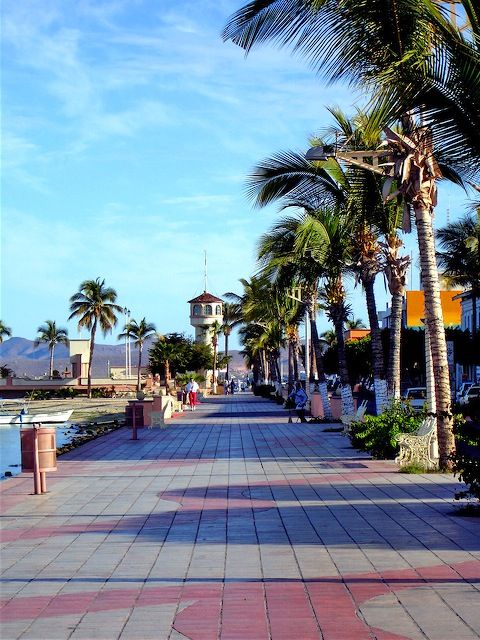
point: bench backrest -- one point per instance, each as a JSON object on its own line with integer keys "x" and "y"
{"x": 427, "y": 425}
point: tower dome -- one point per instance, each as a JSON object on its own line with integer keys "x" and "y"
{"x": 205, "y": 309}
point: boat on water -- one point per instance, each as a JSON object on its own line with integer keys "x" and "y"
{"x": 20, "y": 416}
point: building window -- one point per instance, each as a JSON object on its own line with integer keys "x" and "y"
{"x": 208, "y": 310}
{"x": 197, "y": 310}
{"x": 218, "y": 310}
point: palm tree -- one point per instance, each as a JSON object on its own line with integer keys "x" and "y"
{"x": 415, "y": 61}
{"x": 52, "y": 335}
{"x": 303, "y": 250}
{"x": 296, "y": 181}
{"x": 330, "y": 337}
{"x": 94, "y": 306}
{"x": 355, "y": 323}
{"x": 232, "y": 317}
{"x": 140, "y": 332}
{"x": 215, "y": 329}
{"x": 4, "y": 331}
{"x": 168, "y": 352}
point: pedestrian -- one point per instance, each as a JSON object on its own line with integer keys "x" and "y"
{"x": 300, "y": 400}
{"x": 191, "y": 389}
{"x": 225, "y": 386}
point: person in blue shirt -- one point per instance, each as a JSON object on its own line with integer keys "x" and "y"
{"x": 300, "y": 399}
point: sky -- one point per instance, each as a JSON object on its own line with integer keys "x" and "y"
{"x": 128, "y": 130}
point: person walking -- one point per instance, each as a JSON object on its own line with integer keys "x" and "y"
{"x": 191, "y": 389}
{"x": 300, "y": 400}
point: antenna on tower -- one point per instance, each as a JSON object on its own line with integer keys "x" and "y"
{"x": 205, "y": 275}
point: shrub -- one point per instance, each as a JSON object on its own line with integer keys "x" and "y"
{"x": 263, "y": 390}
{"x": 466, "y": 459}
{"x": 376, "y": 434}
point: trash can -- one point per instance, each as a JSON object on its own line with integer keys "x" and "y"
{"x": 47, "y": 448}
{"x": 129, "y": 409}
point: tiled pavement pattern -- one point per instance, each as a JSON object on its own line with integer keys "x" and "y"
{"x": 233, "y": 524}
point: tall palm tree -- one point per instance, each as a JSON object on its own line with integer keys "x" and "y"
{"x": 52, "y": 335}
{"x": 232, "y": 317}
{"x": 413, "y": 58}
{"x": 4, "y": 331}
{"x": 293, "y": 179}
{"x": 95, "y": 306}
{"x": 305, "y": 249}
{"x": 139, "y": 332}
{"x": 166, "y": 352}
{"x": 215, "y": 329}
{"x": 459, "y": 258}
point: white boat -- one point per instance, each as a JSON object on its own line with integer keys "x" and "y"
{"x": 24, "y": 416}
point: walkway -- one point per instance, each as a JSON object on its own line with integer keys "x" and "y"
{"x": 233, "y": 524}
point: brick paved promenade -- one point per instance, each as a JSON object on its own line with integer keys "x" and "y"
{"x": 234, "y": 524}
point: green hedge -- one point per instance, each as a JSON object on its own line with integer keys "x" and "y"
{"x": 466, "y": 459}
{"x": 376, "y": 434}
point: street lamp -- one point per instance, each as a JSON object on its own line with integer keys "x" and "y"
{"x": 127, "y": 343}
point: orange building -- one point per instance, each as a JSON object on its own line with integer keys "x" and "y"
{"x": 356, "y": 334}
{"x": 415, "y": 308}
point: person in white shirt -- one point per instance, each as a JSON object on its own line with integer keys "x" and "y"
{"x": 191, "y": 390}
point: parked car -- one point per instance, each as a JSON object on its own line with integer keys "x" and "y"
{"x": 471, "y": 393}
{"x": 462, "y": 390}
{"x": 416, "y": 397}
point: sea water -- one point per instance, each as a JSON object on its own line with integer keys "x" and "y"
{"x": 10, "y": 455}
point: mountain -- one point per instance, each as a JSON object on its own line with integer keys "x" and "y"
{"x": 24, "y": 359}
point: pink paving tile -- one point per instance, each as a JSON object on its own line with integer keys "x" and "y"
{"x": 243, "y": 613}
{"x": 336, "y": 612}
{"x": 289, "y": 612}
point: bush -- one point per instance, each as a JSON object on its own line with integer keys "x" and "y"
{"x": 466, "y": 459}
{"x": 102, "y": 392}
{"x": 263, "y": 390}
{"x": 376, "y": 434}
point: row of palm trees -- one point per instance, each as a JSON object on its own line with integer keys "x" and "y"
{"x": 422, "y": 74}
{"x": 95, "y": 308}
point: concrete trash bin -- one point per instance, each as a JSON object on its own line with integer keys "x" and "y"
{"x": 47, "y": 449}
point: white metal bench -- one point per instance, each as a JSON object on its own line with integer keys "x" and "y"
{"x": 419, "y": 447}
{"x": 358, "y": 416}
{"x": 157, "y": 418}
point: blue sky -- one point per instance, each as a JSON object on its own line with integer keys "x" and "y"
{"x": 128, "y": 130}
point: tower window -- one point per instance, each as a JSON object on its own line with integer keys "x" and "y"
{"x": 218, "y": 310}
{"x": 208, "y": 310}
{"x": 197, "y": 310}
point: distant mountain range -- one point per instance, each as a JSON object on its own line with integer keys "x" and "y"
{"x": 24, "y": 359}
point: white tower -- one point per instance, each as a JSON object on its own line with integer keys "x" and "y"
{"x": 205, "y": 309}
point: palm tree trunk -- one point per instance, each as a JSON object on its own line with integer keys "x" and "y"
{"x": 290, "y": 366}
{"x": 393, "y": 371}
{"x": 436, "y": 328}
{"x": 52, "y": 349}
{"x": 346, "y": 390}
{"x": 167, "y": 375}
{"x": 295, "y": 358}
{"x": 139, "y": 386}
{"x": 90, "y": 361}
{"x": 474, "y": 294}
{"x": 322, "y": 381}
{"x": 227, "y": 373}
{"x": 214, "y": 372}
{"x": 378, "y": 363}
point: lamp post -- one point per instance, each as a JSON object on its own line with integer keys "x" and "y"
{"x": 127, "y": 343}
